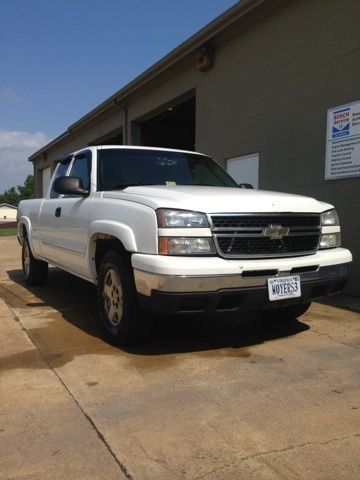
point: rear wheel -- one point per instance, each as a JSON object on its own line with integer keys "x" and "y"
{"x": 286, "y": 313}
{"x": 118, "y": 309}
{"x": 35, "y": 271}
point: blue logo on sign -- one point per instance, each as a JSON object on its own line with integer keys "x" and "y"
{"x": 341, "y": 131}
{"x": 341, "y": 123}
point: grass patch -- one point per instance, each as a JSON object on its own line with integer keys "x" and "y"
{"x": 6, "y": 232}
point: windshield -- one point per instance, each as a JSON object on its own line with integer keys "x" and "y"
{"x": 121, "y": 168}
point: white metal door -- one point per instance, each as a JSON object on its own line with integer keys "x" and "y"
{"x": 244, "y": 169}
{"x": 46, "y": 176}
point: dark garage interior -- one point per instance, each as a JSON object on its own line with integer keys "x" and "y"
{"x": 173, "y": 128}
{"x": 114, "y": 139}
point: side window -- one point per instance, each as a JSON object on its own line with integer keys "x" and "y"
{"x": 81, "y": 168}
{"x": 60, "y": 171}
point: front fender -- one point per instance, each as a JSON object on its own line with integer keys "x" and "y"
{"x": 116, "y": 229}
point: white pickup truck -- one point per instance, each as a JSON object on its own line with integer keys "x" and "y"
{"x": 170, "y": 231}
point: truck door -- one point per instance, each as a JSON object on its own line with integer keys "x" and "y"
{"x": 72, "y": 220}
{"x": 47, "y": 218}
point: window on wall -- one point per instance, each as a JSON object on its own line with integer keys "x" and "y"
{"x": 244, "y": 169}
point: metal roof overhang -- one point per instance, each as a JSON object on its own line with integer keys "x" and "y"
{"x": 215, "y": 27}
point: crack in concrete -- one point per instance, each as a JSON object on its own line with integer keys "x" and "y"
{"x": 159, "y": 461}
{"x": 101, "y": 437}
{"x": 120, "y": 464}
{"x": 215, "y": 470}
{"x": 294, "y": 447}
{"x": 279, "y": 451}
{"x": 335, "y": 339}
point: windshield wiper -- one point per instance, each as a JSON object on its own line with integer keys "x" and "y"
{"x": 125, "y": 185}
{"x": 204, "y": 185}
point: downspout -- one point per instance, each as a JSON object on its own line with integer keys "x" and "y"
{"x": 123, "y": 109}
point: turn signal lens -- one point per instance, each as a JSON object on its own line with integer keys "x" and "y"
{"x": 186, "y": 246}
{"x": 330, "y": 240}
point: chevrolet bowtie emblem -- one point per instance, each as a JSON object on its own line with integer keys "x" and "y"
{"x": 275, "y": 232}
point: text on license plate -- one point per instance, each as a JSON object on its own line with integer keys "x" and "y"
{"x": 284, "y": 287}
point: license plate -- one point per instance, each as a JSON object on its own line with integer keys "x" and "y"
{"x": 280, "y": 288}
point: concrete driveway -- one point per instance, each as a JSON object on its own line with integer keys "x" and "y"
{"x": 201, "y": 400}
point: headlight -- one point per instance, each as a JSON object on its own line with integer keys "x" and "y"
{"x": 186, "y": 246}
{"x": 330, "y": 240}
{"x": 331, "y": 236}
{"x": 180, "y": 219}
{"x": 329, "y": 218}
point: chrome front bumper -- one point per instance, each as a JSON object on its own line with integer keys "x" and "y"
{"x": 146, "y": 282}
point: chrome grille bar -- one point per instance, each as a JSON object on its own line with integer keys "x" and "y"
{"x": 243, "y": 235}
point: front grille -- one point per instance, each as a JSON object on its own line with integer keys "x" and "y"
{"x": 242, "y": 236}
{"x": 245, "y": 221}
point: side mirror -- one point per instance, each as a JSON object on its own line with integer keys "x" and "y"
{"x": 245, "y": 185}
{"x": 70, "y": 186}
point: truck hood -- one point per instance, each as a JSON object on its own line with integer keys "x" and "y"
{"x": 218, "y": 199}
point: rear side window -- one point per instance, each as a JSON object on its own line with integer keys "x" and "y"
{"x": 60, "y": 171}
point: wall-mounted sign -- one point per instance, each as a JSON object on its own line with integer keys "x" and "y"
{"x": 343, "y": 142}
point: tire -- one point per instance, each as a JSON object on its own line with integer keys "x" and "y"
{"x": 118, "y": 309}
{"x": 35, "y": 271}
{"x": 286, "y": 313}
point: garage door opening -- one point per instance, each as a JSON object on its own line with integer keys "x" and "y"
{"x": 112, "y": 138}
{"x": 173, "y": 128}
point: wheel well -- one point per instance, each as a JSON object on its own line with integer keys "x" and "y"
{"x": 23, "y": 231}
{"x": 106, "y": 243}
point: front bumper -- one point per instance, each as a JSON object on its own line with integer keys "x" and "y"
{"x": 210, "y": 293}
{"x": 321, "y": 283}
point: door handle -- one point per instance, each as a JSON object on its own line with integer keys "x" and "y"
{"x": 58, "y": 212}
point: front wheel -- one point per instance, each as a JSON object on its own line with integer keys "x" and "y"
{"x": 117, "y": 301}
{"x": 35, "y": 271}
